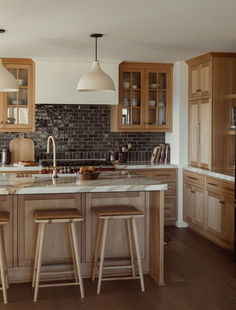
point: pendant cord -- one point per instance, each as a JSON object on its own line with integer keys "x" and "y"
{"x": 96, "y": 52}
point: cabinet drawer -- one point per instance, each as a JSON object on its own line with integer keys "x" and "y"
{"x": 158, "y": 174}
{"x": 170, "y": 208}
{"x": 171, "y": 188}
{"x": 225, "y": 188}
{"x": 194, "y": 178}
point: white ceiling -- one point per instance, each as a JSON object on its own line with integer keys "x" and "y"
{"x": 135, "y": 30}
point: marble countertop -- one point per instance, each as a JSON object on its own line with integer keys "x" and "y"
{"x": 220, "y": 175}
{"x": 10, "y": 168}
{"x": 143, "y": 165}
{"x": 117, "y": 181}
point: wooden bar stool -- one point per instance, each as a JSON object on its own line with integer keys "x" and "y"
{"x": 43, "y": 217}
{"x": 119, "y": 212}
{"x": 4, "y": 219}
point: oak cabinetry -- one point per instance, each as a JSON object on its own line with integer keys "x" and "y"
{"x": 209, "y": 208}
{"x": 145, "y": 98}
{"x": 169, "y": 177}
{"x": 17, "y": 112}
{"x": 210, "y": 77}
{"x": 200, "y": 133}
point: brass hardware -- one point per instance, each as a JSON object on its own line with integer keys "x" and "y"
{"x": 213, "y": 184}
{"x": 199, "y": 89}
{"x": 192, "y": 191}
{"x": 192, "y": 178}
{"x": 221, "y": 202}
{"x": 51, "y": 138}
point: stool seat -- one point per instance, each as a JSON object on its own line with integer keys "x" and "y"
{"x": 57, "y": 214}
{"x": 117, "y": 210}
{"x": 4, "y": 217}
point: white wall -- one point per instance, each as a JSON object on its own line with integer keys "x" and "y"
{"x": 178, "y": 138}
{"x": 56, "y": 82}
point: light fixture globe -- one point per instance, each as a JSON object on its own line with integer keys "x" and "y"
{"x": 96, "y": 79}
{"x": 8, "y": 83}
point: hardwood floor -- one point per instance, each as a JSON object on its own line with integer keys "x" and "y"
{"x": 199, "y": 275}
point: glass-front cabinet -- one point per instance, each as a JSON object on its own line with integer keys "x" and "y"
{"x": 145, "y": 98}
{"x": 18, "y": 108}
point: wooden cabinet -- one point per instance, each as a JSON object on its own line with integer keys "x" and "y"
{"x": 210, "y": 77}
{"x": 169, "y": 177}
{"x": 145, "y": 98}
{"x": 209, "y": 208}
{"x": 200, "y": 80}
{"x": 200, "y": 133}
{"x": 17, "y": 112}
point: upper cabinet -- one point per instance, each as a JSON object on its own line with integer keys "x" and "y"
{"x": 17, "y": 109}
{"x": 210, "y": 79}
{"x": 145, "y": 98}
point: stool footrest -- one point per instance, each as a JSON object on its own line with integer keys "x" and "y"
{"x": 117, "y": 267}
{"x": 120, "y": 278}
{"x": 60, "y": 284}
{"x": 55, "y": 272}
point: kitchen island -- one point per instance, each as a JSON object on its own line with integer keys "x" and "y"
{"x": 22, "y": 195}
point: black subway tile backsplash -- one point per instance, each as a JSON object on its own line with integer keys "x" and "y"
{"x": 83, "y": 131}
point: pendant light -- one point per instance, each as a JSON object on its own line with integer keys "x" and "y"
{"x": 96, "y": 79}
{"x": 8, "y": 83}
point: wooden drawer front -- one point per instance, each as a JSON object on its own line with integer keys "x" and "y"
{"x": 159, "y": 174}
{"x": 194, "y": 178}
{"x": 170, "y": 208}
{"x": 225, "y": 188}
{"x": 171, "y": 189}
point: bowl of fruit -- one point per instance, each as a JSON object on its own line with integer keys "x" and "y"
{"x": 88, "y": 173}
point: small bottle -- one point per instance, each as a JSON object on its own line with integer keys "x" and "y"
{"x": 112, "y": 158}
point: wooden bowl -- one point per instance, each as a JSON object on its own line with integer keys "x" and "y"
{"x": 88, "y": 176}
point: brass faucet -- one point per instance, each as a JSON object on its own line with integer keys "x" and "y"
{"x": 51, "y": 138}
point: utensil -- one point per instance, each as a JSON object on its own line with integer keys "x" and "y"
{"x": 117, "y": 146}
{"x": 123, "y": 149}
{"x": 129, "y": 146}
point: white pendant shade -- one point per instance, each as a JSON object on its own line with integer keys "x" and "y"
{"x": 8, "y": 83}
{"x": 96, "y": 80}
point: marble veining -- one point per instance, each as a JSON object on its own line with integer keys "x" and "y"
{"x": 210, "y": 173}
{"x": 117, "y": 181}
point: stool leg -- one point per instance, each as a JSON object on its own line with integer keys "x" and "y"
{"x": 96, "y": 251}
{"x": 5, "y": 261}
{"x": 73, "y": 253}
{"x": 128, "y": 226}
{"x": 2, "y": 268}
{"x": 138, "y": 253}
{"x": 77, "y": 259}
{"x": 104, "y": 235}
{"x": 36, "y": 255}
{"x": 39, "y": 260}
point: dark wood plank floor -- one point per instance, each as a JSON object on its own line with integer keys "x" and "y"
{"x": 199, "y": 275}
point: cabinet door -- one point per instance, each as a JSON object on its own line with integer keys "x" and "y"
{"x": 158, "y": 99}
{"x": 205, "y": 133}
{"x": 194, "y": 81}
{"x": 17, "y": 113}
{"x": 199, "y": 207}
{"x": 214, "y": 205}
{"x": 194, "y": 138}
{"x": 188, "y": 203}
{"x": 131, "y": 101}
{"x": 227, "y": 220}
{"x": 205, "y": 79}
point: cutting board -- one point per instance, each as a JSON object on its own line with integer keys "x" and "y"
{"x": 22, "y": 149}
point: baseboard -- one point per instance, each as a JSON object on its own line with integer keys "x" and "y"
{"x": 181, "y": 224}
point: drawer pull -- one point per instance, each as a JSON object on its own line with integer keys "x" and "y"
{"x": 192, "y": 191}
{"x": 229, "y": 189}
{"x": 199, "y": 89}
{"x": 213, "y": 184}
{"x": 162, "y": 175}
{"x": 221, "y": 202}
{"x": 192, "y": 178}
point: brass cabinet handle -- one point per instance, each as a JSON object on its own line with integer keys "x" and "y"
{"x": 192, "y": 191}
{"x": 221, "y": 202}
{"x": 199, "y": 89}
{"x": 213, "y": 184}
{"x": 192, "y": 178}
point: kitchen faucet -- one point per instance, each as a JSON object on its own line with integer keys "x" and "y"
{"x": 51, "y": 138}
